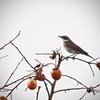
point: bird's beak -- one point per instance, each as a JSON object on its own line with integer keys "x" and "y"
{"x": 60, "y": 36}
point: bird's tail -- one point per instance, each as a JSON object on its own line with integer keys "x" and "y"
{"x": 85, "y": 53}
{"x": 90, "y": 56}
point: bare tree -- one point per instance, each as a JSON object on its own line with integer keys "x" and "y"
{"x": 36, "y": 73}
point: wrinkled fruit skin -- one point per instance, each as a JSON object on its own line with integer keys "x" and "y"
{"x": 56, "y": 74}
{"x": 3, "y": 98}
{"x": 31, "y": 84}
{"x": 40, "y": 77}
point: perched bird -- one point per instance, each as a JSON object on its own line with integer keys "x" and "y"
{"x": 71, "y": 47}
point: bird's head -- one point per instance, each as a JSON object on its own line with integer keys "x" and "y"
{"x": 64, "y": 38}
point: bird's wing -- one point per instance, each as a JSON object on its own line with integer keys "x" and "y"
{"x": 75, "y": 47}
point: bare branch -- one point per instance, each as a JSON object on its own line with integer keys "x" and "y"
{"x": 91, "y": 69}
{"x": 23, "y": 56}
{"x": 38, "y": 92}
{"x": 15, "y": 87}
{"x": 58, "y": 58}
{"x": 96, "y": 86}
{"x": 21, "y": 80}
{"x": 10, "y": 41}
{"x": 52, "y": 90}
{"x": 46, "y": 88}
{"x": 75, "y": 80}
{"x": 26, "y": 76}
{"x": 83, "y": 96}
{"x": 43, "y": 53}
{"x": 3, "y": 56}
{"x": 88, "y": 62}
{"x": 48, "y": 81}
{"x": 14, "y": 71}
{"x": 69, "y": 89}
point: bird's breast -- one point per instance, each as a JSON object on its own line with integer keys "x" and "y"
{"x": 67, "y": 48}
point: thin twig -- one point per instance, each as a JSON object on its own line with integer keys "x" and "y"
{"x": 46, "y": 88}
{"x": 38, "y": 92}
{"x": 75, "y": 80}
{"x": 26, "y": 76}
{"x": 91, "y": 69}
{"x": 83, "y": 96}
{"x": 3, "y": 56}
{"x": 38, "y": 61}
{"x": 13, "y": 71}
{"x": 82, "y": 61}
{"x": 96, "y": 86}
{"x": 22, "y": 80}
{"x": 43, "y": 53}
{"x": 95, "y": 59}
{"x": 23, "y": 56}
{"x": 69, "y": 89}
{"x": 10, "y": 41}
{"x": 11, "y": 97}
{"x": 75, "y": 58}
{"x": 5, "y": 90}
{"x": 48, "y": 81}
{"x": 15, "y": 87}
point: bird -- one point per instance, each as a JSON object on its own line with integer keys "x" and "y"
{"x": 72, "y": 48}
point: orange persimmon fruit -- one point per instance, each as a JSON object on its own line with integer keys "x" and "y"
{"x": 3, "y": 98}
{"x": 31, "y": 84}
{"x": 56, "y": 74}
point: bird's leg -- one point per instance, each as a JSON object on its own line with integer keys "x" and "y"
{"x": 73, "y": 56}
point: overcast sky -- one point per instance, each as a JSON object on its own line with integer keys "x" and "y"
{"x": 40, "y": 23}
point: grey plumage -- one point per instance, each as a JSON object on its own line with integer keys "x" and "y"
{"x": 71, "y": 47}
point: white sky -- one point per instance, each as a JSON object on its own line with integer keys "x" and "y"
{"x": 40, "y": 23}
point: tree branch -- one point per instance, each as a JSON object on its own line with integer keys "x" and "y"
{"x": 38, "y": 93}
{"x": 10, "y": 41}
{"x": 14, "y": 71}
{"x": 75, "y": 80}
{"x": 23, "y": 56}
